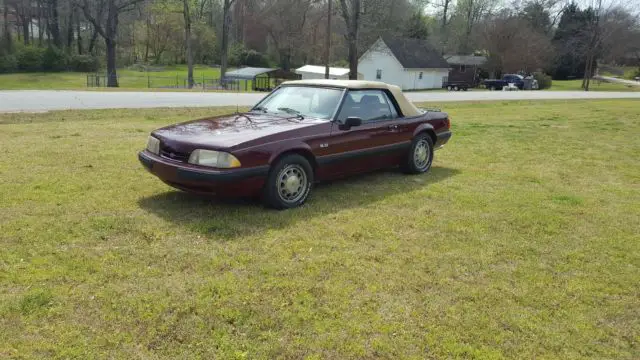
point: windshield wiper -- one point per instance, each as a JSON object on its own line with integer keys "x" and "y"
{"x": 259, "y": 108}
{"x": 292, "y": 111}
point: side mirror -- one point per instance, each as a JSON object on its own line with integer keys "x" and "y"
{"x": 350, "y": 122}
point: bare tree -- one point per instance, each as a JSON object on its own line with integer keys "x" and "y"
{"x": 285, "y": 21}
{"x": 107, "y": 26}
{"x": 327, "y": 50}
{"x": 224, "y": 46}
{"x": 513, "y": 45}
{"x": 187, "y": 34}
{"x": 351, "y": 15}
{"x": 610, "y": 18}
{"x": 7, "y": 33}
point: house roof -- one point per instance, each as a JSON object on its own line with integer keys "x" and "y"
{"x": 465, "y": 59}
{"x": 333, "y": 71}
{"x": 415, "y": 53}
{"x": 247, "y": 73}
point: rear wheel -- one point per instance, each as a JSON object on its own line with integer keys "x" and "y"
{"x": 420, "y": 155}
{"x": 456, "y": 88}
{"x": 289, "y": 182}
{"x": 449, "y": 88}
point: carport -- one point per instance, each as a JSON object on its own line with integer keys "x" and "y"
{"x": 263, "y": 79}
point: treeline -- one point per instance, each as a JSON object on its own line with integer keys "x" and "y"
{"x": 565, "y": 41}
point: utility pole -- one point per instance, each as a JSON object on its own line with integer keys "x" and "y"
{"x": 327, "y": 50}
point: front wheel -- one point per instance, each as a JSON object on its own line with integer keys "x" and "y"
{"x": 420, "y": 155}
{"x": 289, "y": 182}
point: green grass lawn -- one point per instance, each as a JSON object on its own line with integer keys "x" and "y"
{"x": 129, "y": 78}
{"x": 521, "y": 243}
{"x": 575, "y": 85}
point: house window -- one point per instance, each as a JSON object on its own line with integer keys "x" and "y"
{"x": 378, "y": 74}
{"x": 420, "y": 75}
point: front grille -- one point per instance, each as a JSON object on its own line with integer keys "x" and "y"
{"x": 171, "y": 154}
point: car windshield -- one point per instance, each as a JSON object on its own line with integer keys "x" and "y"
{"x": 317, "y": 102}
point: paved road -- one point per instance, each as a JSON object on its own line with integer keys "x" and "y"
{"x": 44, "y": 100}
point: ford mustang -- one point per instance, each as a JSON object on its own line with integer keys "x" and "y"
{"x": 302, "y": 132}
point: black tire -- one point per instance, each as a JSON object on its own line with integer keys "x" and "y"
{"x": 456, "y": 88}
{"x": 414, "y": 163}
{"x": 276, "y": 194}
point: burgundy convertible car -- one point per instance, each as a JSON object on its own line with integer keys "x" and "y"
{"x": 302, "y": 132}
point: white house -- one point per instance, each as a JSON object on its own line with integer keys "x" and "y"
{"x": 317, "y": 72}
{"x": 409, "y": 63}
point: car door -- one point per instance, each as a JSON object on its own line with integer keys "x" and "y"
{"x": 380, "y": 141}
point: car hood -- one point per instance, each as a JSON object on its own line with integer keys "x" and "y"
{"x": 228, "y": 131}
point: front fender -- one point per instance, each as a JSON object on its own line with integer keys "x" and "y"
{"x": 290, "y": 146}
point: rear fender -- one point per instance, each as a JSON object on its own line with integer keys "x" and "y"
{"x": 426, "y": 127}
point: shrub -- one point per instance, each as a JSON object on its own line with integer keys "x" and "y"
{"x": 239, "y": 55}
{"x": 255, "y": 59}
{"x": 54, "y": 59}
{"x": 544, "y": 80}
{"x": 8, "y": 63}
{"x": 84, "y": 63}
{"x": 30, "y": 58}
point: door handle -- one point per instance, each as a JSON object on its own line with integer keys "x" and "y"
{"x": 392, "y": 127}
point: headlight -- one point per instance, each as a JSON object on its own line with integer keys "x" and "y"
{"x": 153, "y": 145}
{"x": 212, "y": 158}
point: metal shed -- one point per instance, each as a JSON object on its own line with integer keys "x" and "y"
{"x": 264, "y": 79}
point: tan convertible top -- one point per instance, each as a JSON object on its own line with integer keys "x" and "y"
{"x": 406, "y": 107}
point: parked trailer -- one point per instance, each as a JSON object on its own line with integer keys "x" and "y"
{"x": 456, "y": 85}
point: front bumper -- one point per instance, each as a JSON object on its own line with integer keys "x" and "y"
{"x": 193, "y": 178}
{"x": 442, "y": 138}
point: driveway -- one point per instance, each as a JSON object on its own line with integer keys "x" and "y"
{"x": 45, "y": 100}
{"x": 617, "y": 80}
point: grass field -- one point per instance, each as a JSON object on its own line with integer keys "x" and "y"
{"x": 521, "y": 243}
{"x": 129, "y": 78}
{"x": 166, "y": 79}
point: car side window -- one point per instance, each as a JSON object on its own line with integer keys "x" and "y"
{"x": 368, "y": 105}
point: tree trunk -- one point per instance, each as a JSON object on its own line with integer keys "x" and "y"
{"x": 25, "y": 28}
{"x": 54, "y": 24}
{"x": 70, "y": 32}
{"x": 353, "y": 40}
{"x": 444, "y": 34}
{"x": 587, "y": 71}
{"x": 79, "y": 36}
{"x": 92, "y": 41}
{"x": 40, "y": 23}
{"x": 187, "y": 35}
{"x": 146, "y": 42}
{"x": 351, "y": 18}
{"x": 224, "y": 50}
{"x": 7, "y": 32}
{"x": 112, "y": 77}
{"x": 327, "y": 50}
{"x": 111, "y": 33}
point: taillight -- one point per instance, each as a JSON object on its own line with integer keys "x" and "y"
{"x": 448, "y": 122}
